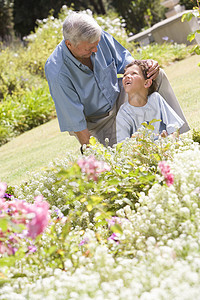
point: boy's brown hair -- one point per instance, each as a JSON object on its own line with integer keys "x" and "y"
{"x": 144, "y": 68}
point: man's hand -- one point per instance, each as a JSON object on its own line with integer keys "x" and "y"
{"x": 164, "y": 133}
{"x": 153, "y": 68}
{"x": 83, "y": 136}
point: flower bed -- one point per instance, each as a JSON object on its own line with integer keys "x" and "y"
{"x": 123, "y": 224}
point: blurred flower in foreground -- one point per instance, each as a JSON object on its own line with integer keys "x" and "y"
{"x": 40, "y": 220}
{"x": 20, "y": 220}
{"x": 166, "y": 172}
{"x": 92, "y": 167}
{"x": 3, "y": 187}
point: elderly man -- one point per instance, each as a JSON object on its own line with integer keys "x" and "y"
{"x": 82, "y": 77}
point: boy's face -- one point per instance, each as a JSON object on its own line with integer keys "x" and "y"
{"x": 133, "y": 80}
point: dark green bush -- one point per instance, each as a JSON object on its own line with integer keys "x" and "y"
{"x": 19, "y": 114}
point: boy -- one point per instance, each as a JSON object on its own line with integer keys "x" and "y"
{"x": 144, "y": 105}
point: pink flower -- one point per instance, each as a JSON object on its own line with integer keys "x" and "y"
{"x": 166, "y": 172}
{"x": 3, "y": 187}
{"x": 114, "y": 237}
{"x": 92, "y": 167}
{"x": 35, "y": 216}
{"x": 84, "y": 241}
{"x": 8, "y": 249}
{"x": 32, "y": 249}
{"x": 40, "y": 220}
{"x": 113, "y": 221}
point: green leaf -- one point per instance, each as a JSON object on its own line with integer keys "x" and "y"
{"x": 196, "y": 49}
{"x": 144, "y": 124}
{"x": 101, "y": 223}
{"x": 113, "y": 181}
{"x": 52, "y": 250}
{"x": 89, "y": 207}
{"x": 187, "y": 17}
{"x": 93, "y": 141}
{"x": 7, "y": 261}
{"x": 191, "y": 36}
{"x": 4, "y": 224}
{"x": 94, "y": 199}
{"x": 156, "y": 156}
{"x": 119, "y": 146}
{"x": 116, "y": 228}
{"x": 154, "y": 120}
{"x": 18, "y": 275}
{"x": 151, "y": 127}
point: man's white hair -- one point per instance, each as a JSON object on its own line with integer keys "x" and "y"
{"x": 79, "y": 26}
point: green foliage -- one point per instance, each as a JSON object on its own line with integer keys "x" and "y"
{"x": 21, "y": 113}
{"x": 164, "y": 53}
{"x": 15, "y": 78}
{"x": 189, "y": 4}
{"x": 139, "y": 14}
{"x": 26, "y": 13}
{"x": 126, "y": 218}
{"x": 6, "y": 19}
{"x": 133, "y": 170}
{"x": 187, "y": 17}
{"x": 196, "y": 136}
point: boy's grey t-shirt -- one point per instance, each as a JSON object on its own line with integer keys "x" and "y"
{"x": 130, "y": 118}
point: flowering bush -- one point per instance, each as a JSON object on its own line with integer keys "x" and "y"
{"x": 20, "y": 220}
{"x": 124, "y": 224}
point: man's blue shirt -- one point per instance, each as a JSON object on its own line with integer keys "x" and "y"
{"x": 79, "y": 92}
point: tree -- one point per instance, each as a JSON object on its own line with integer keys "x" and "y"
{"x": 6, "y": 19}
{"x": 189, "y": 4}
{"x": 26, "y": 12}
{"x": 139, "y": 14}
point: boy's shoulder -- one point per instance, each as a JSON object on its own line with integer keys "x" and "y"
{"x": 124, "y": 106}
{"x": 123, "y": 110}
{"x": 155, "y": 96}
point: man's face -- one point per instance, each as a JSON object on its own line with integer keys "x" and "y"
{"x": 133, "y": 79}
{"x": 83, "y": 50}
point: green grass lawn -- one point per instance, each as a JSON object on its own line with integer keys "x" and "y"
{"x": 34, "y": 149}
{"x": 185, "y": 79}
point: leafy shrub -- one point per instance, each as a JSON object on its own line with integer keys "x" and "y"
{"x": 164, "y": 53}
{"x": 14, "y": 77}
{"x": 196, "y": 136}
{"x": 113, "y": 227}
{"x": 187, "y": 17}
{"x": 24, "y": 112}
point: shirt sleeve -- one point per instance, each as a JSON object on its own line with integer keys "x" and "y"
{"x": 69, "y": 109}
{"x": 169, "y": 117}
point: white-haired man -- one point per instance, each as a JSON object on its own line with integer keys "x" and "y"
{"x": 82, "y": 77}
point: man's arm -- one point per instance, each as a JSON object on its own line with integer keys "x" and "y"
{"x": 83, "y": 136}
